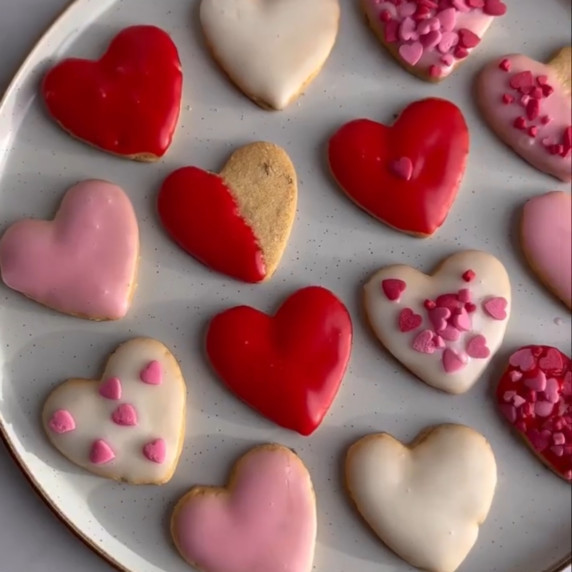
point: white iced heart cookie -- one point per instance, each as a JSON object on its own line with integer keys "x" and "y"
{"x": 130, "y": 425}
{"x": 444, "y": 328}
{"x": 271, "y": 49}
{"x": 425, "y": 500}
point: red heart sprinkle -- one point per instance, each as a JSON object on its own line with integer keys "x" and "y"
{"x": 494, "y": 8}
{"x": 505, "y": 65}
{"x": 409, "y": 320}
{"x": 522, "y": 80}
{"x": 552, "y": 360}
{"x": 468, "y": 275}
{"x": 393, "y": 288}
{"x": 468, "y": 39}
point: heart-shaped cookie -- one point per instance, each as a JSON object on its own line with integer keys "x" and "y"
{"x": 408, "y": 174}
{"x": 528, "y": 105}
{"x": 546, "y": 238}
{"x": 237, "y": 222}
{"x": 82, "y": 263}
{"x": 444, "y": 328}
{"x": 535, "y": 396}
{"x": 427, "y": 499}
{"x": 430, "y": 39}
{"x": 271, "y": 49}
{"x": 265, "y": 519}
{"x": 288, "y": 366}
{"x": 126, "y": 103}
{"x": 130, "y": 425}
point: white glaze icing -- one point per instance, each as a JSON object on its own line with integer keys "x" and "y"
{"x": 425, "y": 503}
{"x": 491, "y": 281}
{"x": 160, "y": 415}
{"x": 271, "y": 48}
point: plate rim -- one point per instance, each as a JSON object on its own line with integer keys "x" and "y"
{"x": 560, "y": 566}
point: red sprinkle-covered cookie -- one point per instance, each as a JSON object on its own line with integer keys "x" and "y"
{"x": 535, "y": 396}
{"x": 528, "y": 105}
{"x": 126, "y": 103}
{"x": 407, "y": 174}
{"x": 288, "y": 366}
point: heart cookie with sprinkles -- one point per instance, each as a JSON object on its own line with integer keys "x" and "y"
{"x": 431, "y": 38}
{"x": 535, "y": 396}
{"x": 236, "y": 222}
{"x": 444, "y": 328}
{"x": 130, "y": 425}
{"x": 528, "y": 105}
{"x": 407, "y": 174}
{"x": 126, "y": 103}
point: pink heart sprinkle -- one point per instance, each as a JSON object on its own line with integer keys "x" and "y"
{"x": 552, "y": 390}
{"x": 155, "y": 451}
{"x": 450, "y": 333}
{"x": 523, "y": 359}
{"x": 536, "y": 383}
{"x": 393, "y": 288}
{"x": 438, "y": 318}
{"x": 477, "y": 347}
{"x": 452, "y": 362}
{"x": 448, "y": 60}
{"x": 408, "y": 320}
{"x": 559, "y": 438}
{"x": 509, "y": 411}
{"x": 448, "y": 19}
{"x": 509, "y": 395}
{"x": 403, "y": 168}
{"x": 407, "y": 31}
{"x": 431, "y": 39}
{"x": 62, "y": 421}
{"x": 518, "y": 401}
{"x": 552, "y": 360}
{"x": 428, "y": 25}
{"x": 423, "y": 343}
{"x": 460, "y": 5}
{"x": 406, "y": 9}
{"x": 464, "y": 295}
{"x": 439, "y": 342}
{"x": 101, "y": 452}
{"x": 448, "y": 41}
{"x": 152, "y": 373}
{"x": 411, "y": 53}
{"x": 496, "y": 308}
{"x": 543, "y": 408}
{"x": 111, "y": 388}
{"x": 125, "y": 415}
{"x": 515, "y": 375}
{"x": 449, "y": 301}
{"x": 462, "y": 321}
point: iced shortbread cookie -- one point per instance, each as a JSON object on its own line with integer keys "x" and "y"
{"x": 445, "y": 327}
{"x": 427, "y": 499}
{"x": 271, "y": 49}
{"x": 528, "y": 105}
{"x": 238, "y": 221}
{"x": 264, "y": 520}
{"x": 82, "y": 263}
{"x": 127, "y": 102}
{"x": 129, "y": 425}
{"x": 546, "y": 239}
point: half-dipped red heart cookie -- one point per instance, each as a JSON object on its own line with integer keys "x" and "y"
{"x": 407, "y": 174}
{"x": 127, "y": 102}
{"x": 535, "y": 396}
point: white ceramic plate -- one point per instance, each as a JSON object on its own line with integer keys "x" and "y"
{"x": 333, "y": 244}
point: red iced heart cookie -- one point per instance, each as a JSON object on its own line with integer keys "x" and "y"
{"x": 237, "y": 222}
{"x": 528, "y": 105}
{"x": 406, "y": 175}
{"x": 535, "y": 396}
{"x": 126, "y": 103}
{"x": 288, "y": 366}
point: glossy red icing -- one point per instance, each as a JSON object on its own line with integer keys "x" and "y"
{"x": 127, "y": 102}
{"x": 200, "y": 214}
{"x": 432, "y": 133}
{"x": 288, "y": 366}
{"x": 535, "y": 395}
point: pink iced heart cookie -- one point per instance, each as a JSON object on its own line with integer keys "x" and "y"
{"x": 123, "y": 427}
{"x": 265, "y": 519}
{"x": 528, "y": 105}
{"x": 431, "y": 38}
{"x": 546, "y": 239}
{"x": 82, "y": 263}
{"x": 444, "y": 328}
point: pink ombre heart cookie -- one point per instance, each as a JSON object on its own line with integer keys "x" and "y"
{"x": 528, "y": 105}
{"x": 129, "y": 425}
{"x": 445, "y": 328}
{"x": 546, "y": 238}
{"x": 431, "y": 38}
{"x": 82, "y": 263}
{"x": 264, "y": 520}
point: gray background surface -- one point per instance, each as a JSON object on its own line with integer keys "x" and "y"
{"x": 51, "y": 546}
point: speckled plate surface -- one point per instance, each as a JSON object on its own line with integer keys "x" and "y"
{"x": 333, "y": 244}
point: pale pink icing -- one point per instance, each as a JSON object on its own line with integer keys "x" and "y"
{"x": 546, "y": 233}
{"x": 82, "y": 263}
{"x": 152, "y": 373}
{"x": 494, "y": 83}
{"x": 428, "y": 44}
{"x": 267, "y": 523}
